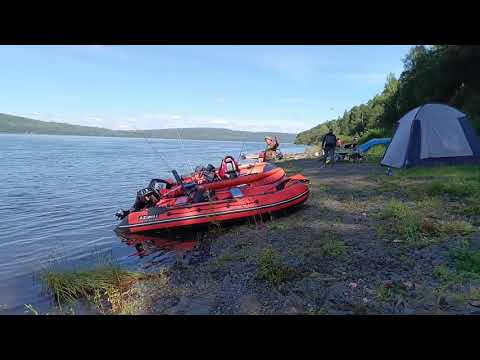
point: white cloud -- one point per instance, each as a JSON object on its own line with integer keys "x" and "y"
{"x": 95, "y": 119}
{"x": 123, "y": 126}
{"x": 219, "y": 121}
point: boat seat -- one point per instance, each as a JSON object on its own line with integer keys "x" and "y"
{"x": 236, "y": 192}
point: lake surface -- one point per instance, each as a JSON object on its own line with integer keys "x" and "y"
{"x": 59, "y": 194}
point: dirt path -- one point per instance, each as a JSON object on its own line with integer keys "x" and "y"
{"x": 327, "y": 257}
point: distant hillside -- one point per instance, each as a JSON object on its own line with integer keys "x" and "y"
{"x": 21, "y": 125}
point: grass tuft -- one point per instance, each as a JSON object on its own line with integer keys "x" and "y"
{"x": 453, "y": 186}
{"x": 375, "y": 154}
{"x": 334, "y": 247}
{"x": 401, "y": 220}
{"x": 418, "y": 223}
{"x": 457, "y": 227}
{"x": 106, "y": 284}
{"x": 271, "y": 269}
{"x": 465, "y": 260}
{"x": 388, "y": 292}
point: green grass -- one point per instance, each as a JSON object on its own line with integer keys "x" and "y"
{"x": 452, "y": 171}
{"x": 402, "y": 220}
{"x": 464, "y": 265}
{"x": 457, "y": 227}
{"x": 418, "y": 223}
{"x": 230, "y": 255}
{"x": 457, "y": 187}
{"x": 375, "y": 154}
{"x": 461, "y": 182}
{"x": 468, "y": 207}
{"x": 279, "y": 226}
{"x": 105, "y": 284}
{"x": 388, "y": 292}
{"x": 466, "y": 261}
{"x": 334, "y": 247}
{"x": 271, "y": 268}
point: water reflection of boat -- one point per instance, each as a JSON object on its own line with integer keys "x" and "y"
{"x": 161, "y": 242}
{"x": 160, "y": 250}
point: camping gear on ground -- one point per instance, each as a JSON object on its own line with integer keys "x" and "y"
{"x": 363, "y": 148}
{"x": 355, "y": 153}
{"x": 234, "y": 203}
{"x": 432, "y": 134}
{"x": 349, "y": 152}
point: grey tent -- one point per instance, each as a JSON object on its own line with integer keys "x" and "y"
{"x": 432, "y": 134}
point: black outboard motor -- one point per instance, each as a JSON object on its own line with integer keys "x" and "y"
{"x": 146, "y": 197}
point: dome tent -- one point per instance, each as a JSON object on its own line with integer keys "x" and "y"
{"x": 432, "y": 134}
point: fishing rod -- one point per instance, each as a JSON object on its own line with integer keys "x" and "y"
{"x": 154, "y": 149}
{"x": 183, "y": 148}
{"x": 241, "y": 150}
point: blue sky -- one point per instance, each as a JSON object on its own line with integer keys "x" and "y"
{"x": 257, "y": 88}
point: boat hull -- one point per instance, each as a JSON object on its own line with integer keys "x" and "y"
{"x": 257, "y": 200}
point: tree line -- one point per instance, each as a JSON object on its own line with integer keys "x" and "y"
{"x": 440, "y": 73}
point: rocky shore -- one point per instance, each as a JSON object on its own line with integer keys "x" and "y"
{"x": 336, "y": 254}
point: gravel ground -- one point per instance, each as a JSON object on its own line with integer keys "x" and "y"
{"x": 328, "y": 258}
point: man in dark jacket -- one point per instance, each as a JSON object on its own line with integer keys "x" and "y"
{"x": 329, "y": 141}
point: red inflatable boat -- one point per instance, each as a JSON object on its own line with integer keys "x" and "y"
{"x": 259, "y": 173}
{"x": 232, "y": 203}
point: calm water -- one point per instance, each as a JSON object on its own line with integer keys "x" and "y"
{"x": 58, "y": 196}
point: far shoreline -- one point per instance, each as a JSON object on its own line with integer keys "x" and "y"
{"x": 143, "y": 137}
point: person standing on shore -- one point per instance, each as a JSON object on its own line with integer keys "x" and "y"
{"x": 271, "y": 148}
{"x": 329, "y": 141}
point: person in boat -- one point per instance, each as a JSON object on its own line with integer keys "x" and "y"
{"x": 271, "y": 148}
{"x": 329, "y": 142}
